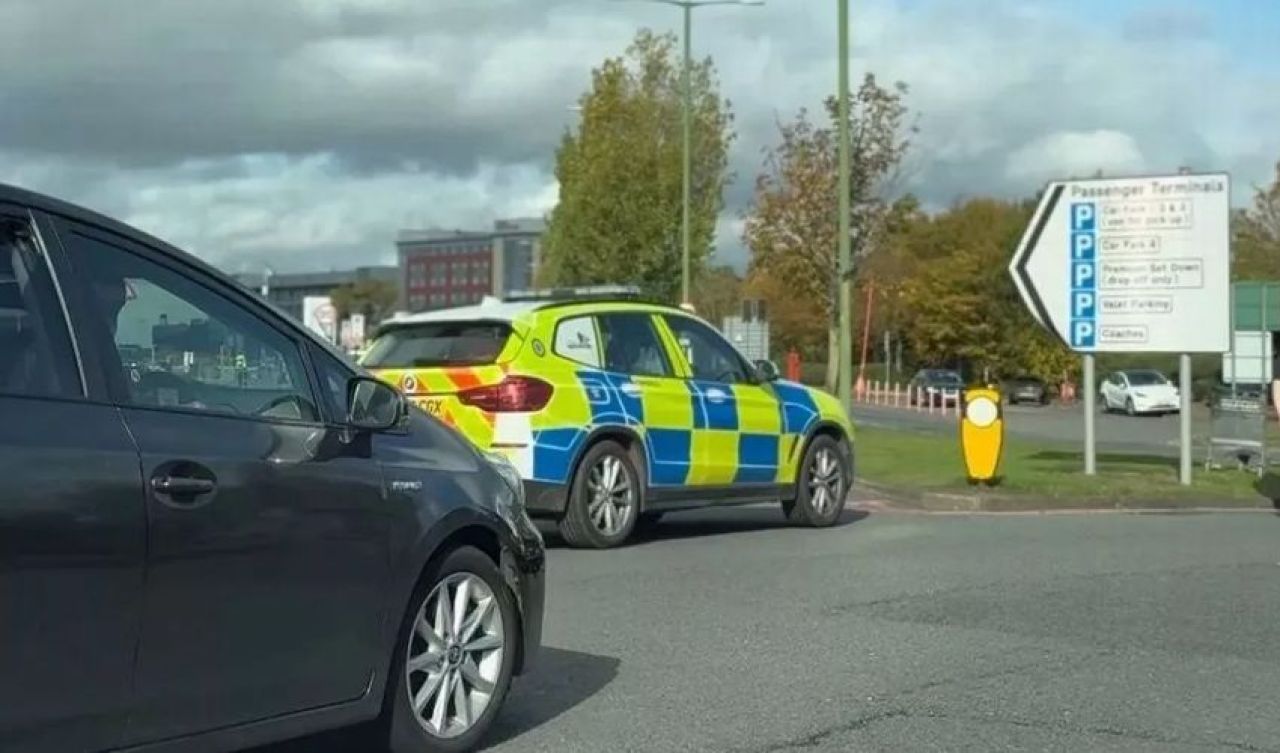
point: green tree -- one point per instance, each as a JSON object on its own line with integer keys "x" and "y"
{"x": 717, "y": 293}
{"x": 619, "y": 215}
{"x": 962, "y": 307}
{"x": 791, "y": 227}
{"x": 375, "y": 299}
{"x": 1255, "y": 233}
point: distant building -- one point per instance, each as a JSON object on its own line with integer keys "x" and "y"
{"x": 443, "y": 268}
{"x": 288, "y": 290}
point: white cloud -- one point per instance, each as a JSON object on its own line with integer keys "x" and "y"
{"x": 308, "y": 131}
{"x": 1067, "y": 154}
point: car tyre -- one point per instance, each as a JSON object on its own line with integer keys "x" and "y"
{"x": 1129, "y": 407}
{"x": 823, "y": 483}
{"x": 479, "y": 677}
{"x": 604, "y": 500}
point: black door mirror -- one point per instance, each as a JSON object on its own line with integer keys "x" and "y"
{"x": 373, "y": 405}
{"x": 768, "y": 371}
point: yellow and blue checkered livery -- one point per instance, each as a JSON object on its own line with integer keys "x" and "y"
{"x": 541, "y": 382}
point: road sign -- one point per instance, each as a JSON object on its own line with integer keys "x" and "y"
{"x": 1131, "y": 265}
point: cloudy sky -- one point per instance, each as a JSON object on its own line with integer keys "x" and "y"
{"x": 304, "y": 133}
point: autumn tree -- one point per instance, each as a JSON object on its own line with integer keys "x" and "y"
{"x": 961, "y": 305}
{"x": 375, "y": 299}
{"x": 619, "y": 215}
{"x": 717, "y": 293}
{"x": 1255, "y": 233}
{"x": 792, "y": 225}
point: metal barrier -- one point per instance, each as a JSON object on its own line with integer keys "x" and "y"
{"x": 1237, "y": 433}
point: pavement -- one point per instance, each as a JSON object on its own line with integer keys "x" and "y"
{"x": 1154, "y": 435}
{"x": 726, "y": 630}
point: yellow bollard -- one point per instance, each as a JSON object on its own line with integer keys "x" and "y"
{"x": 982, "y": 434}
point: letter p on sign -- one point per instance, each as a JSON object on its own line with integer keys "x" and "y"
{"x": 1083, "y": 217}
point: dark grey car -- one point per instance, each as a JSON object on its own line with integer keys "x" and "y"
{"x": 1026, "y": 389}
{"x": 215, "y": 532}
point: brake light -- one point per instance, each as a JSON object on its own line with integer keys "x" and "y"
{"x": 515, "y": 394}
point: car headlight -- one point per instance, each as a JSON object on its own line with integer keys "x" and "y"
{"x": 511, "y": 477}
{"x": 1142, "y": 395}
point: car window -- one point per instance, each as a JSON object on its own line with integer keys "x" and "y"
{"x": 631, "y": 345}
{"x": 431, "y": 344}
{"x": 710, "y": 357}
{"x": 334, "y": 378}
{"x": 178, "y": 344}
{"x": 576, "y": 340}
{"x": 1147, "y": 379}
{"x": 35, "y": 350}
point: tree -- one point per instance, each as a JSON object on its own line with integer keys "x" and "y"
{"x": 961, "y": 306}
{"x": 791, "y": 227}
{"x": 717, "y": 293}
{"x": 795, "y": 321}
{"x": 619, "y": 215}
{"x": 375, "y": 299}
{"x": 1256, "y": 235}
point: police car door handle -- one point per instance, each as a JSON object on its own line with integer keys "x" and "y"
{"x": 630, "y": 389}
{"x": 716, "y": 395}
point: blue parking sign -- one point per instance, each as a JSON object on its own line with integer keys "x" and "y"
{"x": 1084, "y": 217}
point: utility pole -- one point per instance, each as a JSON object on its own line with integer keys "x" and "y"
{"x": 844, "y": 381}
{"x": 686, "y": 237}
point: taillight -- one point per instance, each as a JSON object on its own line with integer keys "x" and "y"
{"x": 515, "y": 394}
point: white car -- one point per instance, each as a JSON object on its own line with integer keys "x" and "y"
{"x": 1141, "y": 391}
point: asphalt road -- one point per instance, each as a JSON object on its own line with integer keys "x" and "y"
{"x": 1157, "y": 435}
{"x": 727, "y": 631}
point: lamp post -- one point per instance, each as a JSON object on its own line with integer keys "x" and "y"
{"x": 844, "y": 350}
{"x": 688, "y": 6}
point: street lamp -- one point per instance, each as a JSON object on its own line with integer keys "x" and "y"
{"x": 844, "y": 340}
{"x": 687, "y": 6}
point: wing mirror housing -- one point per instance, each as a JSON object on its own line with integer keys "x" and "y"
{"x": 768, "y": 371}
{"x": 373, "y": 405}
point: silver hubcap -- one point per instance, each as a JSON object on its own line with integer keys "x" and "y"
{"x": 826, "y": 482}
{"x": 455, "y": 655}
{"x": 612, "y": 496}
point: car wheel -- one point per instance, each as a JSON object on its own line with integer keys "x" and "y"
{"x": 605, "y": 499}
{"x": 1129, "y": 407}
{"x": 823, "y": 483}
{"x": 455, "y": 657}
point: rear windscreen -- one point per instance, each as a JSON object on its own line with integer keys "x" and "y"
{"x": 438, "y": 344}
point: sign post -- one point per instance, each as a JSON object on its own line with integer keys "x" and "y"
{"x": 1131, "y": 265}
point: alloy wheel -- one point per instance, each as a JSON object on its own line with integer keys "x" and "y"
{"x": 611, "y": 496}
{"x": 455, "y": 655}
{"x": 826, "y": 481}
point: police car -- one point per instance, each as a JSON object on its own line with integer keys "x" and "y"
{"x": 616, "y": 411}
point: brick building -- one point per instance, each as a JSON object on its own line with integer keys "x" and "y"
{"x": 444, "y": 268}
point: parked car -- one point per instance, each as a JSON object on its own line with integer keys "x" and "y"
{"x": 616, "y": 411}
{"x": 200, "y": 556}
{"x": 1139, "y": 391}
{"x": 935, "y": 387}
{"x": 1026, "y": 389}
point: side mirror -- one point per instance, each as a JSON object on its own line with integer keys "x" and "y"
{"x": 373, "y": 405}
{"x": 768, "y": 371}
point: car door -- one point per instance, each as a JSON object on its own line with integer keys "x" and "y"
{"x": 72, "y": 522}
{"x": 267, "y": 537}
{"x": 1120, "y": 392}
{"x": 737, "y": 420}
{"x": 641, "y": 388}
{"x": 1108, "y": 391}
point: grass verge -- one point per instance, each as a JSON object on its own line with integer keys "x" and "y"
{"x": 928, "y": 469}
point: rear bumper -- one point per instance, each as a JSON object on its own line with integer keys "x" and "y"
{"x": 545, "y": 499}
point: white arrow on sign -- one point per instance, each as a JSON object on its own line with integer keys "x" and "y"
{"x": 1130, "y": 264}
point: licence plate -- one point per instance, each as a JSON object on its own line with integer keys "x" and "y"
{"x": 433, "y": 406}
